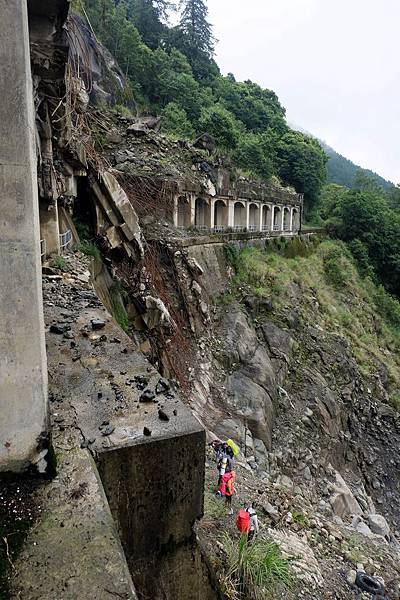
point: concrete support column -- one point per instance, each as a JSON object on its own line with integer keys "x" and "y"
{"x": 247, "y": 214}
{"x": 260, "y": 220}
{"x": 291, "y": 219}
{"x": 192, "y": 215}
{"x": 212, "y": 204}
{"x": 49, "y": 227}
{"x": 271, "y": 216}
{"x": 23, "y": 368}
{"x": 175, "y": 217}
{"x": 231, "y": 213}
{"x": 283, "y": 216}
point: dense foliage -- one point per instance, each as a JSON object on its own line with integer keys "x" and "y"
{"x": 368, "y": 219}
{"x": 171, "y": 70}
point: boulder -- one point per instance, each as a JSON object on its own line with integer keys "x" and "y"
{"x": 240, "y": 339}
{"x": 280, "y": 343}
{"x": 363, "y": 528}
{"x": 379, "y": 525}
{"x": 343, "y": 502}
{"x": 137, "y": 129}
{"x": 156, "y": 313}
{"x": 301, "y": 556}
{"x": 252, "y": 406}
{"x": 205, "y": 142}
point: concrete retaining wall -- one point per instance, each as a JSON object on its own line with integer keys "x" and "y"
{"x": 155, "y": 492}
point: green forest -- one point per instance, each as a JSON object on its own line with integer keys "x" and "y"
{"x": 170, "y": 70}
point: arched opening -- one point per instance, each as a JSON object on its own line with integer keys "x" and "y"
{"x": 202, "y": 214}
{"x": 277, "y": 218}
{"x": 266, "y": 218}
{"x": 253, "y": 217}
{"x": 296, "y": 219}
{"x": 220, "y": 216}
{"x": 239, "y": 216}
{"x": 286, "y": 219}
{"x": 183, "y": 212}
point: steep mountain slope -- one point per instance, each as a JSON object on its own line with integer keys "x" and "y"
{"x": 300, "y": 369}
{"x": 343, "y": 171}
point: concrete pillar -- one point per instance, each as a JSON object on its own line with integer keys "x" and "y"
{"x": 212, "y": 205}
{"x": 247, "y": 214}
{"x": 291, "y": 219}
{"x": 49, "y": 227}
{"x": 260, "y": 220}
{"x": 175, "y": 217}
{"x": 282, "y": 216}
{"x": 231, "y": 213}
{"x": 271, "y": 216}
{"x": 192, "y": 214}
{"x": 23, "y": 368}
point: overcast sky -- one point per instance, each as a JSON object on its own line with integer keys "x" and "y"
{"x": 335, "y": 66}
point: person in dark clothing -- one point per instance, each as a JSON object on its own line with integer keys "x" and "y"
{"x": 253, "y": 522}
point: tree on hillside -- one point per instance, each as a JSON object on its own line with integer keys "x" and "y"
{"x": 194, "y": 25}
{"x": 194, "y": 37}
{"x": 367, "y": 217}
{"x": 221, "y": 124}
{"x": 149, "y": 17}
{"x": 301, "y": 162}
{"x": 256, "y": 107}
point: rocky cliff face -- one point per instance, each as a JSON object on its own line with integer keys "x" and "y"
{"x": 308, "y": 403}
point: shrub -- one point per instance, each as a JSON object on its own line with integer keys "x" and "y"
{"x": 89, "y": 249}
{"x": 395, "y": 401}
{"x": 336, "y": 267}
{"x": 388, "y": 306}
{"x": 221, "y": 124}
{"x": 122, "y": 110}
{"x": 82, "y": 230}
{"x": 58, "y": 262}
{"x": 252, "y": 568}
{"x": 175, "y": 121}
{"x": 360, "y": 253}
{"x": 232, "y": 256}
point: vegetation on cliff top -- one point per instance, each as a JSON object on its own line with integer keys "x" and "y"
{"x": 323, "y": 285}
{"x": 368, "y": 219}
{"x": 171, "y": 70}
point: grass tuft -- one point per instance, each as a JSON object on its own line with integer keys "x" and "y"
{"x": 254, "y": 570}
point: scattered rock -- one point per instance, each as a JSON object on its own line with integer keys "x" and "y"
{"x": 378, "y": 525}
{"x": 108, "y": 430}
{"x": 162, "y": 386}
{"x": 163, "y": 415}
{"x": 60, "y": 328}
{"x": 97, "y": 324}
{"x": 147, "y": 396}
{"x": 351, "y": 577}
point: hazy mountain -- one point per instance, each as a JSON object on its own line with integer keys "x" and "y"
{"x": 341, "y": 170}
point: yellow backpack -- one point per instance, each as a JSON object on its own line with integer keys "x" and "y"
{"x": 232, "y": 445}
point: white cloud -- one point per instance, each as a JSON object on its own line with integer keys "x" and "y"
{"x": 334, "y": 66}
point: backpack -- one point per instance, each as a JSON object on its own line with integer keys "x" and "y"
{"x": 233, "y": 447}
{"x": 243, "y": 521}
{"x": 224, "y": 481}
{"x": 230, "y": 488}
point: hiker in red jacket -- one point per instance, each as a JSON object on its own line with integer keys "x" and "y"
{"x": 230, "y": 490}
{"x": 247, "y": 522}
